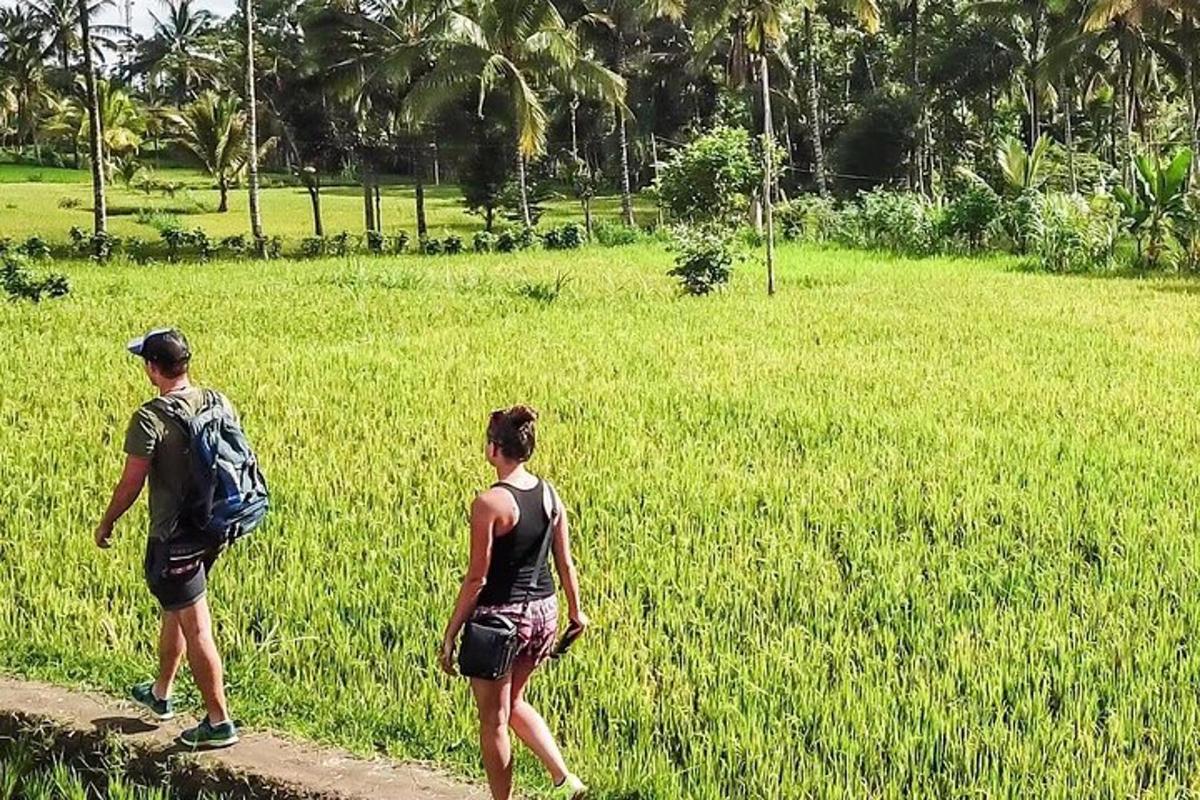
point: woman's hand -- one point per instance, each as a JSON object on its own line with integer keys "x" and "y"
{"x": 446, "y": 657}
{"x": 579, "y": 620}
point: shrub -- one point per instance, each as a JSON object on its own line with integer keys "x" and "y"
{"x": 484, "y": 242}
{"x": 20, "y": 284}
{"x": 339, "y": 244}
{"x": 711, "y": 179}
{"x": 614, "y": 234}
{"x": 703, "y": 259}
{"x": 567, "y": 237}
{"x": 512, "y": 239}
{"x": 431, "y": 246}
{"x": 1021, "y": 218}
{"x": 158, "y": 220}
{"x": 376, "y": 242}
{"x": 1076, "y": 235}
{"x": 313, "y": 246}
{"x": 68, "y": 203}
{"x": 204, "y": 245}
{"x": 971, "y": 214}
{"x": 137, "y": 249}
{"x": 902, "y": 222}
{"x": 453, "y": 244}
{"x": 102, "y": 246}
{"x": 235, "y": 246}
{"x": 400, "y": 243}
{"x": 807, "y": 218}
{"x": 272, "y": 247}
{"x": 35, "y": 247}
{"x": 544, "y": 291}
{"x": 175, "y": 239}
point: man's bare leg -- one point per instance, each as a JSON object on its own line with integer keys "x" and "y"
{"x": 171, "y": 647}
{"x": 203, "y": 658}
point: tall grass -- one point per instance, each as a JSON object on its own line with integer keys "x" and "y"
{"x": 908, "y": 529}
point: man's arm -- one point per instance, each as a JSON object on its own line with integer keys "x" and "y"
{"x": 133, "y": 478}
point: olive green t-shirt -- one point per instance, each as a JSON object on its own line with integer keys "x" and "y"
{"x": 152, "y": 434}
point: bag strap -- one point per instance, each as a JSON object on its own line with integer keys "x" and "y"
{"x": 547, "y": 537}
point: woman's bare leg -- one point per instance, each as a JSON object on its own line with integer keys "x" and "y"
{"x": 529, "y": 726}
{"x": 493, "y": 701}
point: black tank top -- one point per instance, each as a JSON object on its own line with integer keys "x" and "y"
{"x": 513, "y": 571}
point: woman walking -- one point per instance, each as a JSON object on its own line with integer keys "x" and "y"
{"x": 508, "y": 582}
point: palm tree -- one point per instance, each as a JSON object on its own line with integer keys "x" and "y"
{"x": 58, "y": 20}
{"x": 868, "y": 15}
{"x": 375, "y": 53}
{"x": 256, "y": 228}
{"x": 100, "y": 209}
{"x": 122, "y": 121}
{"x": 621, "y": 26}
{"x": 215, "y": 130}
{"x": 177, "y": 50}
{"x": 25, "y": 78}
{"x": 512, "y": 45}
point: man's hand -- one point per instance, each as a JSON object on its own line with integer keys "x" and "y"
{"x": 104, "y": 532}
{"x": 446, "y": 658}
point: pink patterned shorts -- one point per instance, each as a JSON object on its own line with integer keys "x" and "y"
{"x": 537, "y": 626}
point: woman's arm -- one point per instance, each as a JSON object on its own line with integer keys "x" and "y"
{"x": 565, "y": 565}
{"x": 483, "y": 520}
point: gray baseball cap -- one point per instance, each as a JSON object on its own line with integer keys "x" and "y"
{"x": 161, "y": 346}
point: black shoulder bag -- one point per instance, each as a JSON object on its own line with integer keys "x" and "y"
{"x": 490, "y": 641}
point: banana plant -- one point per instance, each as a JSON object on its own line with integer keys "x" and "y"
{"x": 1157, "y": 207}
{"x": 1023, "y": 170}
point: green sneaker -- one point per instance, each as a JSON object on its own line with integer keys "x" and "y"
{"x": 207, "y": 736}
{"x": 143, "y": 695}
{"x": 570, "y": 789}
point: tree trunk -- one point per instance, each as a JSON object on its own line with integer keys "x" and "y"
{"x": 918, "y": 154}
{"x": 223, "y": 187}
{"x": 1069, "y": 133}
{"x": 95, "y": 137}
{"x": 368, "y": 201}
{"x": 1193, "y": 92}
{"x": 587, "y": 216}
{"x": 814, "y": 108}
{"x": 256, "y": 227}
{"x": 768, "y": 172}
{"x": 574, "y": 130}
{"x": 489, "y": 218}
{"x": 378, "y": 207}
{"x": 623, "y": 140}
{"x": 1035, "y": 126}
{"x": 1125, "y": 134}
{"x": 419, "y": 174}
{"x": 314, "y": 196}
{"x": 525, "y": 216}
{"x": 65, "y": 59}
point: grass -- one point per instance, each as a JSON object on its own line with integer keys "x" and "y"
{"x": 38, "y": 207}
{"x": 908, "y": 529}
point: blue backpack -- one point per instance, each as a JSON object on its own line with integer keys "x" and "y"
{"x": 229, "y": 494}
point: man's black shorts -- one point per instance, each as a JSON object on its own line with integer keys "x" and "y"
{"x": 177, "y": 571}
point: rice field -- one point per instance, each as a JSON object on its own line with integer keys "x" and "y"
{"x": 48, "y": 202}
{"x": 908, "y": 529}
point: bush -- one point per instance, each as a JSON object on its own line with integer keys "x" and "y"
{"x": 272, "y": 247}
{"x": 1021, "y": 219}
{"x": 313, "y": 246}
{"x": 544, "y": 291}
{"x": 204, "y": 246}
{"x": 902, "y": 222}
{"x": 614, "y": 234}
{"x": 20, "y": 284}
{"x": 235, "y": 246}
{"x": 400, "y": 243}
{"x": 339, "y": 244}
{"x": 567, "y": 237}
{"x": 510, "y": 240}
{"x": 971, "y": 214}
{"x": 453, "y": 244}
{"x": 175, "y": 240}
{"x": 431, "y": 246}
{"x": 158, "y": 220}
{"x": 808, "y": 218}
{"x": 376, "y": 242}
{"x": 711, "y": 179}
{"x": 703, "y": 259}
{"x": 35, "y": 247}
{"x": 102, "y": 246}
{"x": 1076, "y": 235}
{"x": 484, "y": 242}
{"x": 68, "y": 203}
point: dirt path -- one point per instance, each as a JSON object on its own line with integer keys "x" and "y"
{"x": 280, "y": 766}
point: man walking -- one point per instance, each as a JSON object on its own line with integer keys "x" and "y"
{"x": 181, "y": 551}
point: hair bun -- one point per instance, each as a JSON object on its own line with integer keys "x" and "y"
{"x": 522, "y": 415}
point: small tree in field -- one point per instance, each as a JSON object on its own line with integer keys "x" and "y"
{"x": 707, "y": 188}
{"x": 712, "y": 179}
